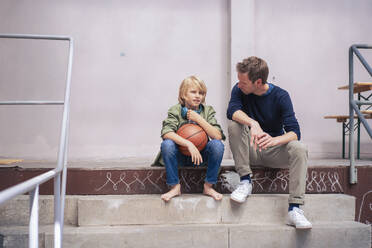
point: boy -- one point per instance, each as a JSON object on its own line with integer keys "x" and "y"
{"x": 191, "y": 108}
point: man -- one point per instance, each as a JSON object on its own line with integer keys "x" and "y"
{"x": 264, "y": 131}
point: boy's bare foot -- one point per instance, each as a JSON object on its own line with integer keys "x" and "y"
{"x": 208, "y": 190}
{"x": 175, "y": 191}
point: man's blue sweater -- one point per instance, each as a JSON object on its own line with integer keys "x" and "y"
{"x": 273, "y": 110}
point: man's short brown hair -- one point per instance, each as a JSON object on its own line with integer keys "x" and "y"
{"x": 255, "y": 67}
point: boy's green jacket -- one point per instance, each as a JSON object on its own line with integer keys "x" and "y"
{"x": 175, "y": 120}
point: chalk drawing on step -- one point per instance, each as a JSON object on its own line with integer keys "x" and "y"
{"x": 318, "y": 181}
{"x": 128, "y": 184}
{"x": 366, "y": 205}
{"x": 322, "y": 181}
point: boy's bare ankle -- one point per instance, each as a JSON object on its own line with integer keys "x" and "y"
{"x": 173, "y": 192}
{"x": 208, "y": 190}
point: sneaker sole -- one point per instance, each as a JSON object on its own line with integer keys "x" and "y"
{"x": 236, "y": 200}
{"x": 300, "y": 227}
{"x": 304, "y": 227}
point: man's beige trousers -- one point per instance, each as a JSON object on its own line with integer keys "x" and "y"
{"x": 292, "y": 155}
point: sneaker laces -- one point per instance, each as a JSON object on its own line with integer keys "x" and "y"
{"x": 242, "y": 187}
{"x": 299, "y": 214}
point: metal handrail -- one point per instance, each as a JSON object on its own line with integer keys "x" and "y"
{"x": 32, "y": 185}
{"x": 353, "y": 105}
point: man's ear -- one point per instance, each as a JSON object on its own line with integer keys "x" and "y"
{"x": 258, "y": 81}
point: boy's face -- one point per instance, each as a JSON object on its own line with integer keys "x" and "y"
{"x": 193, "y": 98}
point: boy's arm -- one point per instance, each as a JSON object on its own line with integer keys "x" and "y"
{"x": 211, "y": 131}
{"x": 169, "y": 129}
{"x": 196, "y": 157}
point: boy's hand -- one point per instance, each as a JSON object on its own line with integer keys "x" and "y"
{"x": 196, "y": 157}
{"x": 193, "y": 116}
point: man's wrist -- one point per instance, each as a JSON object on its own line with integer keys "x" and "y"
{"x": 254, "y": 124}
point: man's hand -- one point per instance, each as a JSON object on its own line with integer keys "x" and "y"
{"x": 256, "y": 132}
{"x": 196, "y": 157}
{"x": 265, "y": 141}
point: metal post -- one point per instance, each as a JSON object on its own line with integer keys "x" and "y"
{"x": 63, "y": 194}
{"x": 57, "y": 211}
{"x": 358, "y": 137}
{"x": 33, "y": 226}
{"x": 64, "y": 175}
{"x": 353, "y": 173}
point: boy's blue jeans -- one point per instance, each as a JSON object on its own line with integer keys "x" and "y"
{"x": 212, "y": 155}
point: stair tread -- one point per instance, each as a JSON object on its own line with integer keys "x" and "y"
{"x": 188, "y": 208}
{"x": 145, "y": 163}
{"x": 49, "y": 229}
{"x": 325, "y": 234}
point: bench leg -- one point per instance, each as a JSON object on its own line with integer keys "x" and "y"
{"x": 343, "y": 139}
{"x": 358, "y": 144}
{"x": 358, "y": 136}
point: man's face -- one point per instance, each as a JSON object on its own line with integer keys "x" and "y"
{"x": 245, "y": 84}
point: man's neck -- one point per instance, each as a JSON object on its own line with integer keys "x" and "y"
{"x": 262, "y": 90}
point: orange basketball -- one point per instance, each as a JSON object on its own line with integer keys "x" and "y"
{"x": 195, "y": 134}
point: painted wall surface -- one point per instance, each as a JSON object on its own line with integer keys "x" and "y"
{"x": 130, "y": 57}
{"x": 306, "y": 45}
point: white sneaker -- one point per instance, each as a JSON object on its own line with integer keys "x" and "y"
{"x": 241, "y": 193}
{"x": 297, "y": 218}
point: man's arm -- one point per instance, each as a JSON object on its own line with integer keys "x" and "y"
{"x": 256, "y": 130}
{"x": 290, "y": 122}
{"x": 243, "y": 118}
{"x": 258, "y": 136}
{"x": 290, "y": 126}
{"x": 266, "y": 141}
{"x": 235, "y": 113}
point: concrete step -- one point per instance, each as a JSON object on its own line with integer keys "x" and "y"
{"x": 186, "y": 209}
{"x": 16, "y": 211}
{"x": 324, "y": 234}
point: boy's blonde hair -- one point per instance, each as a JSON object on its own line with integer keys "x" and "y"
{"x": 189, "y": 82}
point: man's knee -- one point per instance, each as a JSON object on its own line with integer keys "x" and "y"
{"x": 235, "y": 129}
{"x": 298, "y": 148}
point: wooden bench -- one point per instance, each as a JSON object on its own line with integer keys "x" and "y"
{"x": 358, "y": 88}
{"x": 367, "y": 112}
{"x": 339, "y": 118}
{"x": 345, "y": 125}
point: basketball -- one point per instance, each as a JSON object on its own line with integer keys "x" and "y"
{"x": 195, "y": 134}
